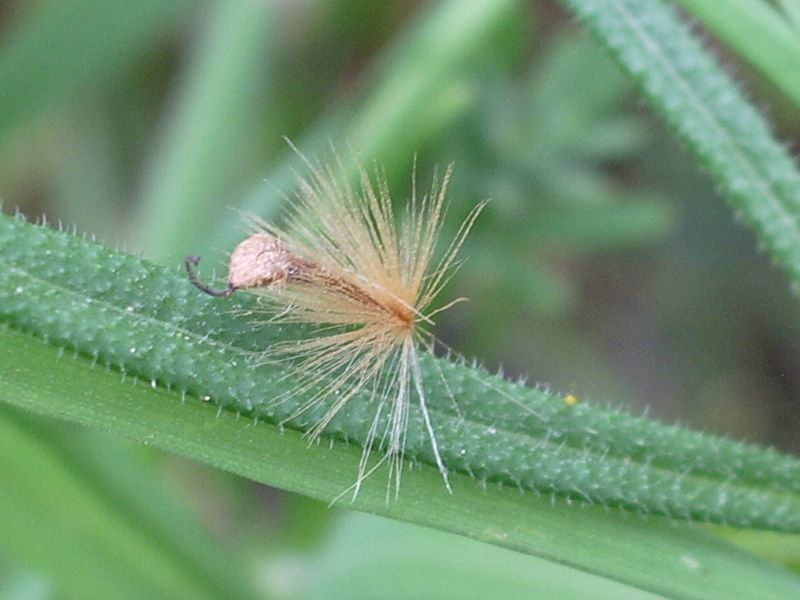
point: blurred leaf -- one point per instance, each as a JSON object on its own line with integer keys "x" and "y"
{"x": 24, "y": 584}
{"x": 87, "y": 178}
{"x": 209, "y": 128}
{"x": 420, "y": 84}
{"x": 704, "y": 108}
{"x": 780, "y": 548}
{"x": 594, "y": 228}
{"x": 572, "y": 91}
{"x": 791, "y": 9}
{"x": 368, "y": 557}
{"x": 127, "y": 481}
{"x": 52, "y": 518}
{"x": 541, "y": 149}
{"x": 523, "y": 278}
{"x": 62, "y": 47}
{"x": 757, "y": 31}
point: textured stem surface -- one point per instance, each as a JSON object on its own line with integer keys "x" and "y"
{"x": 701, "y": 104}
{"x": 154, "y": 327}
{"x": 151, "y": 323}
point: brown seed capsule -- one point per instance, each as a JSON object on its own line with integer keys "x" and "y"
{"x": 259, "y": 261}
{"x": 362, "y": 282}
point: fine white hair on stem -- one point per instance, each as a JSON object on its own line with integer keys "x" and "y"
{"x": 362, "y": 281}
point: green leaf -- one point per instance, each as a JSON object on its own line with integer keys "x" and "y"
{"x": 61, "y": 47}
{"x": 652, "y": 554}
{"x": 420, "y": 84}
{"x": 152, "y": 326}
{"x": 777, "y": 547}
{"x": 133, "y": 496}
{"x": 368, "y": 556}
{"x": 204, "y": 144}
{"x": 612, "y": 544}
{"x": 18, "y": 583}
{"x": 791, "y": 8}
{"x": 86, "y": 176}
{"x": 704, "y": 108}
{"x": 759, "y": 33}
{"x": 152, "y": 323}
{"x": 51, "y": 516}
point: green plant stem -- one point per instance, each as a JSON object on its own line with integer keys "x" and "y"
{"x": 701, "y": 104}
{"x": 651, "y": 554}
{"x": 152, "y": 324}
{"x": 759, "y": 33}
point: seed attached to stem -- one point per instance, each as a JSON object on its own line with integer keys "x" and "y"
{"x": 258, "y": 262}
{"x": 366, "y": 279}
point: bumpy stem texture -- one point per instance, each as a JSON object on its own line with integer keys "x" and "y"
{"x": 151, "y": 323}
{"x": 701, "y": 104}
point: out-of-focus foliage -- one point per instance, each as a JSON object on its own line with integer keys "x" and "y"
{"x": 357, "y": 562}
{"x": 541, "y": 148}
{"x": 604, "y": 264}
{"x": 766, "y": 34}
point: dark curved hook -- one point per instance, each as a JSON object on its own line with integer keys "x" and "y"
{"x": 193, "y": 261}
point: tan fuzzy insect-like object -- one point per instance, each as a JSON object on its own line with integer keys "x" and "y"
{"x": 346, "y": 264}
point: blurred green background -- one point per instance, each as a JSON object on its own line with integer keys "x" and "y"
{"x": 604, "y": 265}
